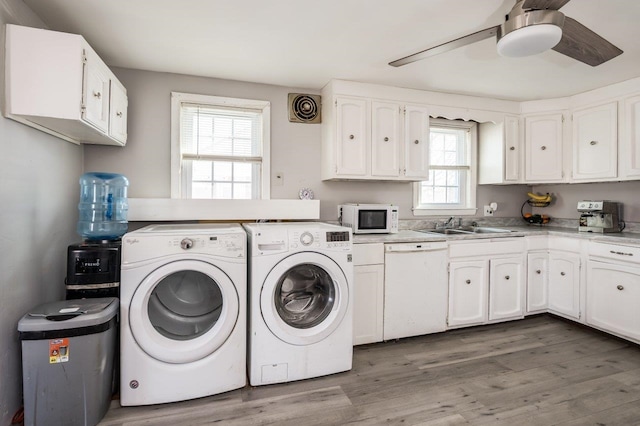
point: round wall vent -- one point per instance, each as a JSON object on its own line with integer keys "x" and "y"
{"x": 304, "y": 108}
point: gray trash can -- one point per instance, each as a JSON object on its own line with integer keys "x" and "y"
{"x": 68, "y": 348}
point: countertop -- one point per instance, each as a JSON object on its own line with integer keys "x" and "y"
{"x": 410, "y": 236}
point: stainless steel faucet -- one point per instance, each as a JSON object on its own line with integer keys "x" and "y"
{"x": 447, "y": 223}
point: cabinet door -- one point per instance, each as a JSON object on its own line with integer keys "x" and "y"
{"x": 595, "y": 142}
{"x": 506, "y": 288}
{"x": 630, "y": 141}
{"x": 353, "y": 139}
{"x": 416, "y": 142}
{"x": 468, "y": 292}
{"x": 512, "y": 147}
{"x": 613, "y": 298}
{"x": 118, "y": 112}
{"x": 564, "y": 284}
{"x": 385, "y": 139}
{"x": 368, "y": 304}
{"x": 537, "y": 283}
{"x": 95, "y": 94}
{"x": 543, "y": 148}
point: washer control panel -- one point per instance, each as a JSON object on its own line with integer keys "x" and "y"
{"x": 317, "y": 238}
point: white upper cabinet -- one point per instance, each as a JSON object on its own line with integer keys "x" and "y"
{"x": 371, "y": 139}
{"x": 385, "y": 139}
{"x": 595, "y": 143}
{"x": 500, "y": 152}
{"x": 543, "y": 148}
{"x": 630, "y": 138}
{"x": 352, "y": 137}
{"x": 56, "y": 83}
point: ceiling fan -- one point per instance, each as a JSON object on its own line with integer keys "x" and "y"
{"x": 531, "y": 27}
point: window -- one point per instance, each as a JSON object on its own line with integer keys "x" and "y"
{"x": 219, "y": 147}
{"x": 451, "y": 188}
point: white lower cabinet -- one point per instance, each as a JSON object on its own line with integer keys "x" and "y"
{"x": 537, "y": 281}
{"x": 468, "y": 292}
{"x": 486, "y": 281}
{"x": 564, "y": 283}
{"x": 368, "y": 298}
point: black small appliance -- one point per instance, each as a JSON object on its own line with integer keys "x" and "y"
{"x": 93, "y": 269}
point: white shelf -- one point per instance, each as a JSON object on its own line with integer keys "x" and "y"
{"x": 170, "y": 209}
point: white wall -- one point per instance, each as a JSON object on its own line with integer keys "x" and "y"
{"x": 295, "y": 148}
{"x": 39, "y": 192}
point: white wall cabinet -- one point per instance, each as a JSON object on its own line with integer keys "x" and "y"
{"x": 368, "y": 298}
{"x": 564, "y": 283}
{"x": 56, "y": 83}
{"x": 543, "y": 148}
{"x": 500, "y": 152}
{"x": 595, "y": 143}
{"x": 366, "y": 139}
{"x": 629, "y": 148}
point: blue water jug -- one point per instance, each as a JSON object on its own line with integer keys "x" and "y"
{"x": 103, "y": 206}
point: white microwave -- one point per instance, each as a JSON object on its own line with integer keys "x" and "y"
{"x": 369, "y": 218}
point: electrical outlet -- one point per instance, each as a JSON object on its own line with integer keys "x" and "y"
{"x": 488, "y": 211}
{"x": 278, "y": 179}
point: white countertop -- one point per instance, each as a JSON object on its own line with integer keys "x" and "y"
{"x": 408, "y": 236}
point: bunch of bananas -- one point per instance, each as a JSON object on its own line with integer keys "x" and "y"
{"x": 539, "y": 198}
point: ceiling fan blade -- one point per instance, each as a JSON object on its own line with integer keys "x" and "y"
{"x": 445, "y": 47}
{"x": 544, "y": 4}
{"x": 580, "y": 43}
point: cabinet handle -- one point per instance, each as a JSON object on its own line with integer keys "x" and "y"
{"x": 468, "y": 281}
{"x": 119, "y": 113}
{"x": 513, "y": 148}
{"x": 416, "y": 141}
{"x": 97, "y": 95}
{"x": 507, "y": 277}
{"x": 543, "y": 147}
{"x": 351, "y": 136}
{"x": 593, "y": 143}
{"x": 621, "y": 253}
{"x": 563, "y": 274}
{"x": 538, "y": 271}
{"x": 386, "y": 139}
{"x": 619, "y": 287}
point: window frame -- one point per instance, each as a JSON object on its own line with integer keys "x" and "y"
{"x": 263, "y": 107}
{"x": 470, "y": 209}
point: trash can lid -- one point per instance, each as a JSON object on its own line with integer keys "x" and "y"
{"x": 69, "y": 314}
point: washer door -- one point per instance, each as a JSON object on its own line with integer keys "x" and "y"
{"x": 183, "y": 311}
{"x": 304, "y": 298}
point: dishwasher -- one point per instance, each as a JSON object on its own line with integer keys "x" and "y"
{"x": 415, "y": 289}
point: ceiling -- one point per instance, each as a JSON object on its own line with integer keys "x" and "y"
{"x": 305, "y": 44}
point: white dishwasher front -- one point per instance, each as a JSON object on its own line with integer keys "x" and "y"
{"x": 415, "y": 289}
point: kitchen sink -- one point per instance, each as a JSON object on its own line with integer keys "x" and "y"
{"x": 466, "y": 230}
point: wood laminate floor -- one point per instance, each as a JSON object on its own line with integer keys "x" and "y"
{"x": 537, "y": 371}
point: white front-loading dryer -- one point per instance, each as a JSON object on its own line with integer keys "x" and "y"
{"x": 183, "y": 312}
{"x": 300, "y": 301}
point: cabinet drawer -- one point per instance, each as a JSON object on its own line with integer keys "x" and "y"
{"x": 487, "y": 247}
{"x": 615, "y": 252}
{"x": 368, "y": 254}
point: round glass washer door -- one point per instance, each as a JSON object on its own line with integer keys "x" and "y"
{"x": 183, "y": 311}
{"x": 304, "y": 298}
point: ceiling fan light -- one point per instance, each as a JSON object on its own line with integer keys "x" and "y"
{"x": 529, "y": 40}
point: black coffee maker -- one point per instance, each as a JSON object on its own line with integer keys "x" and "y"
{"x": 93, "y": 269}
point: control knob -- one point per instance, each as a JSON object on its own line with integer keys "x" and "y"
{"x": 306, "y": 239}
{"x": 186, "y": 243}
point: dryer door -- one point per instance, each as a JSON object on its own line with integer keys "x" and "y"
{"x": 183, "y": 311}
{"x": 304, "y": 298}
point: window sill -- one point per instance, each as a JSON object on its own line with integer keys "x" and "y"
{"x": 445, "y": 212}
{"x": 170, "y": 209}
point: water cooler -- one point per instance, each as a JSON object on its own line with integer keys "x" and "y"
{"x": 93, "y": 266}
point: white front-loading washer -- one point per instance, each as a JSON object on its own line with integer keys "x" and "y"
{"x": 300, "y": 301}
{"x": 182, "y": 312}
